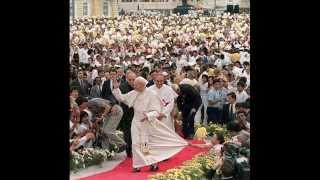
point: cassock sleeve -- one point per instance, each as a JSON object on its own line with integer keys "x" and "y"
{"x": 118, "y": 95}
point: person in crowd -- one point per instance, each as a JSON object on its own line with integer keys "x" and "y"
{"x": 153, "y": 75}
{"x": 83, "y": 55}
{"x": 203, "y": 84}
{"x": 81, "y": 132}
{"x": 110, "y": 125}
{"x": 104, "y": 77}
{"x": 95, "y": 91}
{"x": 238, "y": 136}
{"x": 105, "y": 119}
{"x": 214, "y": 101}
{"x": 107, "y": 87}
{"x": 81, "y": 84}
{"x": 73, "y": 96}
{"x": 242, "y": 121}
{"x": 229, "y": 109}
{"x": 241, "y": 94}
{"x": 125, "y": 123}
{"x": 188, "y": 101}
{"x": 121, "y": 75}
{"x": 246, "y": 72}
{"x": 245, "y": 107}
{"x": 216, "y": 144}
{"x": 167, "y": 96}
{"x": 190, "y": 78}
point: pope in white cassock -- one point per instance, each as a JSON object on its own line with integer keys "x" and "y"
{"x": 152, "y": 140}
{"x": 167, "y": 96}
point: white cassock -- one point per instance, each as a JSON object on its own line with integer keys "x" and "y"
{"x": 242, "y": 97}
{"x": 152, "y": 140}
{"x": 167, "y": 95}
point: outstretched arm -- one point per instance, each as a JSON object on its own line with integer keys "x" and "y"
{"x": 118, "y": 95}
{"x": 208, "y": 145}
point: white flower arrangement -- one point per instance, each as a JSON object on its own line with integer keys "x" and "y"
{"x": 89, "y": 156}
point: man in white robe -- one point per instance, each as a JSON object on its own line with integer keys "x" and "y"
{"x": 167, "y": 95}
{"x": 152, "y": 140}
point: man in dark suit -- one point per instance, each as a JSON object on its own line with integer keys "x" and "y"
{"x": 229, "y": 110}
{"x": 125, "y": 123}
{"x": 107, "y": 87}
{"x": 188, "y": 101}
{"x": 95, "y": 91}
{"x": 81, "y": 84}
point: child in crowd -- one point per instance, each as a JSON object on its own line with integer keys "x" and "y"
{"x": 216, "y": 144}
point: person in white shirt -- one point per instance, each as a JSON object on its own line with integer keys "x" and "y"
{"x": 193, "y": 57}
{"x": 244, "y": 56}
{"x": 241, "y": 94}
{"x": 219, "y": 62}
{"x": 246, "y": 72}
{"x": 83, "y": 55}
{"x": 203, "y": 84}
{"x": 237, "y": 70}
{"x": 215, "y": 144}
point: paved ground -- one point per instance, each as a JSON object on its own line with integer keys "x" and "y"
{"x": 106, "y": 166}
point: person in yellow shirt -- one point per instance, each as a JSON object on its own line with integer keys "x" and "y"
{"x": 235, "y": 56}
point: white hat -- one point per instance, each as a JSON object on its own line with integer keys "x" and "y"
{"x": 149, "y": 56}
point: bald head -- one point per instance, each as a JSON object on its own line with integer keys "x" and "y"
{"x": 140, "y": 84}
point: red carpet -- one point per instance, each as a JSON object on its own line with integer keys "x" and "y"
{"x": 124, "y": 170}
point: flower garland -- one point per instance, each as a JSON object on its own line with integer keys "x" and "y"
{"x": 89, "y": 156}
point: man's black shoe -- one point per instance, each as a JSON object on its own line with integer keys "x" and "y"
{"x": 154, "y": 168}
{"x": 136, "y": 170}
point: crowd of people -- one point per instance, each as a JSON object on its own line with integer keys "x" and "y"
{"x": 198, "y": 66}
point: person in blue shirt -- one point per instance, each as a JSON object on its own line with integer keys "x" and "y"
{"x": 215, "y": 100}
